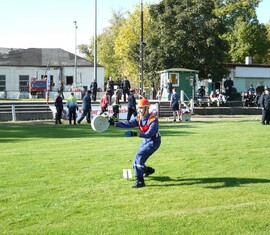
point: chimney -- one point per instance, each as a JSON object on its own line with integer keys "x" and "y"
{"x": 248, "y": 60}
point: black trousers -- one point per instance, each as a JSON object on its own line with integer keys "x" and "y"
{"x": 58, "y": 116}
{"x": 130, "y": 112}
{"x": 72, "y": 116}
{"x": 265, "y": 116}
{"x": 115, "y": 111}
{"x": 87, "y": 114}
{"x": 125, "y": 94}
{"x": 94, "y": 95}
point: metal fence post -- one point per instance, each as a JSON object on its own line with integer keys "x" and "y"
{"x": 13, "y": 113}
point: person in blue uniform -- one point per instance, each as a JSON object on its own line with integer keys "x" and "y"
{"x": 175, "y": 105}
{"x": 131, "y": 105}
{"x": 86, "y": 107}
{"x": 149, "y": 132}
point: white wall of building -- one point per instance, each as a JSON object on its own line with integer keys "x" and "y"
{"x": 85, "y": 75}
{"x": 243, "y": 77}
{"x": 257, "y": 72}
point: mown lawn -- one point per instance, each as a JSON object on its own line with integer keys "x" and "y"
{"x": 212, "y": 177}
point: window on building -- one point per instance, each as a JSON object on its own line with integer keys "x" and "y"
{"x": 24, "y": 83}
{"x": 175, "y": 79}
{"x": 2, "y": 82}
{"x": 69, "y": 80}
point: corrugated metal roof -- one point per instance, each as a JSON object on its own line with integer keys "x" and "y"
{"x": 247, "y": 65}
{"x": 41, "y": 57}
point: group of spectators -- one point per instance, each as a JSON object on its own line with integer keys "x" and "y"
{"x": 72, "y": 106}
{"x": 111, "y": 97}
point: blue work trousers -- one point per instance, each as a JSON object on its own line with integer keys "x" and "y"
{"x": 144, "y": 152}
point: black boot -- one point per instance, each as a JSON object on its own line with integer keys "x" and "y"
{"x": 149, "y": 171}
{"x": 139, "y": 183}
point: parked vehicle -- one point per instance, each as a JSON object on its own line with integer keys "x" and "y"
{"x": 38, "y": 87}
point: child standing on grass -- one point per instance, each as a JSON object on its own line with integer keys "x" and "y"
{"x": 175, "y": 105}
{"x": 104, "y": 102}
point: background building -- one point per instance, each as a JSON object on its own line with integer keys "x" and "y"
{"x": 248, "y": 74}
{"x": 181, "y": 78}
{"x": 19, "y": 66}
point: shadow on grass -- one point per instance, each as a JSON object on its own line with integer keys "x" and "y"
{"x": 16, "y": 133}
{"x": 11, "y": 132}
{"x": 212, "y": 183}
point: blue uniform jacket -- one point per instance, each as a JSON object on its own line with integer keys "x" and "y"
{"x": 152, "y": 134}
{"x": 175, "y": 99}
{"x": 86, "y": 103}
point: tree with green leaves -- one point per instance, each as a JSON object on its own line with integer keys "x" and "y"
{"x": 187, "y": 34}
{"x": 230, "y": 10}
{"x": 127, "y": 43}
{"x": 245, "y": 35}
{"x": 268, "y": 37}
{"x": 248, "y": 39}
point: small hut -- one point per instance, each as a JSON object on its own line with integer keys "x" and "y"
{"x": 181, "y": 78}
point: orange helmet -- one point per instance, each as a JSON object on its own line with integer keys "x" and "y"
{"x": 143, "y": 103}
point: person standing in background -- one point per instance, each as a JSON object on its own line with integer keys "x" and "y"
{"x": 131, "y": 105}
{"x": 116, "y": 105}
{"x": 110, "y": 88}
{"x": 175, "y": 105}
{"x": 169, "y": 89}
{"x": 86, "y": 107}
{"x": 72, "y": 107}
{"x": 265, "y": 105}
{"x": 125, "y": 87}
{"x": 61, "y": 89}
{"x": 93, "y": 89}
{"x": 104, "y": 103}
{"x": 228, "y": 84}
{"x": 58, "y": 103}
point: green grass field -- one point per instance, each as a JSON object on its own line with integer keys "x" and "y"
{"x": 212, "y": 177}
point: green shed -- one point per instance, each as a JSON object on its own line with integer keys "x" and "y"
{"x": 181, "y": 78}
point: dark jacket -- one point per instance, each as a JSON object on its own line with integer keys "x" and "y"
{"x": 131, "y": 101}
{"x": 169, "y": 87}
{"x": 86, "y": 102}
{"x": 111, "y": 86}
{"x": 265, "y": 101}
{"x": 93, "y": 87}
{"x": 175, "y": 99}
{"x": 125, "y": 85}
{"x": 58, "y": 102}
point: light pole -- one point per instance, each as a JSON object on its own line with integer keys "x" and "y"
{"x": 95, "y": 44}
{"x": 142, "y": 44}
{"x": 75, "y": 62}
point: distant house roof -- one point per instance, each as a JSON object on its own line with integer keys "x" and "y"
{"x": 178, "y": 70}
{"x": 233, "y": 65}
{"x": 34, "y": 57}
